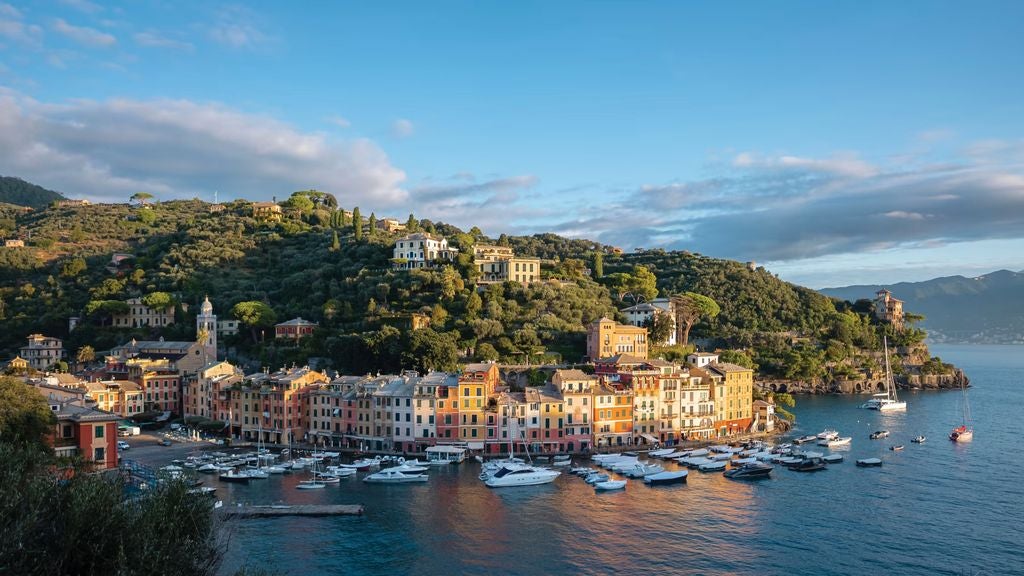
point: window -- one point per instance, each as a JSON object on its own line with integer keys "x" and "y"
{"x": 99, "y": 431}
{"x": 99, "y": 455}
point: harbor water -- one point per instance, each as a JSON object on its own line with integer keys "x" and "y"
{"x": 932, "y": 508}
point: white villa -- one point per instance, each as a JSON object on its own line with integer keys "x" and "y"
{"x": 421, "y": 250}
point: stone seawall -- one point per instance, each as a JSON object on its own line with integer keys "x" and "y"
{"x": 952, "y": 380}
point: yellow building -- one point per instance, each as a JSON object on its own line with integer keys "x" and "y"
{"x": 613, "y": 416}
{"x": 122, "y": 397}
{"x": 606, "y": 338}
{"x": 551, "y": 407}
{"x": 737, "y": 402}
{"x": 266, "y": 211}
{"x": 499, "y": 264}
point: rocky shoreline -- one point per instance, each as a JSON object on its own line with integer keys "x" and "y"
{"x": 949, "y": 381}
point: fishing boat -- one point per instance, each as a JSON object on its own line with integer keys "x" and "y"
{"x": 869, "y": 462}
{"x": 886, "y": 401}
{"x": 666, "y": 478}
{"x": 610, "y": 485}
{"x": 964, "y": 432}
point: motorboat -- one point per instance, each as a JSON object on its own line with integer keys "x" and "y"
{"x": 521, "y": 475}
{"x": 742, "y": 461}
{"x": 919, "y": 439}
{"x": 869, "y": 462}
{"x": 878, "y": 434}
{"x": 672, "y": 455}
{"x": 700, "y": 452}
{"x": 597, "y": 477}
{"x": 256, "y": 474}
{"x": 610, "y": 485}
{"x": 490, "y": 468}
{"x": 362, "y": 465}
{"x": 208, "y": 468}
{"x": 326, "y": 478}
{"x": 833, "y": 458}
{"x": 418, "y": 462}
{"x": 836, "y": 441}
{"x": 827, "y": 434}
{"x": 896, "y": 448}
{"x": 713, "y": 466}
{"x": 409, "y": 468}
{"x": 804, "y": 439}
{"x": 809, "y": 465}
{"x": 695, "y": 462}
{"x": 394, "y": 476}
{"x": 580, "y": 470}
{"x": 202, "y": 490}
{"x": 276, "y": 469}
{"x": 665, "y": 478}
{"x": 661, "y": 452}
{"x": 642, "y": 470}
{"x": 309, "y": 485}
{"x": 723, "y": 457}
{"x": 233, "y": 476}
{"x": 565, "y": 462}
{"x": 751, "y": 470}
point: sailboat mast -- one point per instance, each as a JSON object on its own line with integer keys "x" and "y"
{"x": 890, "y": 385}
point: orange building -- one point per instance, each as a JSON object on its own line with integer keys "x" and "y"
{"x": 577, "y": 390}
{"x": 80, "y": 429}
{"x": 609, "y": 338}
{"x": 613, "y": 416}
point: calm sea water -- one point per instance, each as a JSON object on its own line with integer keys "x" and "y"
{"x": 935, "y": 508}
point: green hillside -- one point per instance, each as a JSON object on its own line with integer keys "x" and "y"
{"x": 17, "y": 191}
{"x": 313, "y": 264}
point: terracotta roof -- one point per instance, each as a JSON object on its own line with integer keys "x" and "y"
{"x": 574, "y": 374}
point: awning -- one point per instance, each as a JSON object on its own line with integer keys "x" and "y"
{"x": 650, "y": 438}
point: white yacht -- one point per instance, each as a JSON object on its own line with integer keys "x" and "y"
{"x": 835, "y": 441}
{"x": 521, "y": 475}
{"x": 886, "y": 401}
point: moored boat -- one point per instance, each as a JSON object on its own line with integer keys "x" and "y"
{"x": 896, "y": 448}
{"x": 833, "y": 458}
{"x": 665, "y": 478}
{"x": 752, "y": 470}
{"x": 877, "y": 434}
{"x": 610, "y": 485}
{"x": 393, "y": 476}
{"x": 809, "y": 465}
{"x": 233, "y": 476}
{"x": 521, "y": 475}
{"x": 869, "y": 462}
{"x": 919, "y": 439}
{"x": 713, "y": 466}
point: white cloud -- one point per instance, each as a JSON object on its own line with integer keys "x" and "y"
{"x": 84, "y": 35}
{"x": 903, "y": 215}
{"x": 152, "y": 39}
{"x": 106, "y": 150}
{"x": 402, "y": 128}
{"x": 840, "y": 164}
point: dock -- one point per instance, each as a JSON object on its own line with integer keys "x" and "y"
{"x": 269, "y": 511}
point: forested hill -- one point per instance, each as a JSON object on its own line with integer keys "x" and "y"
{"x": 315, "y": 263}
{"x": 983, "y": 309}
{"x": 17, "y": 191}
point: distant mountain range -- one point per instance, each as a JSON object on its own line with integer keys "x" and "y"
{"x": 17, "y": 191}
{"x": 986, "y": 309}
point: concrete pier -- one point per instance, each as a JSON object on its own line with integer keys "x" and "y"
{"x": 269, "y": 511}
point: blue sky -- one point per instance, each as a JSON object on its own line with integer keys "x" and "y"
{"x": 835, "y": 143}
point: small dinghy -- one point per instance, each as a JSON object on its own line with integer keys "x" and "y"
{"x": 833, "y": 458}
{"x": 596, "y": 478}
{"x": 919, "y": 440}
{"x": 896, "y": 448}
{"x": 717, "y": 466}
{"x": 610, "y": 485}
{"x": 665, "y": 478}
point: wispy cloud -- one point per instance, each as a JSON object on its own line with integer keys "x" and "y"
{"x": 495, "y": 204}
{"x": 153, "y": 39}
{"x": 339, "y": 122}
{"x": 13, "y": 28}
{"x": 238, "y": 27}
{"x": 83, "y": 6}
{"x": 84, "y": 35}
{"x": 402, "y": 128}
{"x": 105, "y": 150}
{"x": 788, "y": 208}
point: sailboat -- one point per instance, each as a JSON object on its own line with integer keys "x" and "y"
{"x": 886, "y": 401}
{"x": 315, "y": 481}
{"x": 963, "y": 432}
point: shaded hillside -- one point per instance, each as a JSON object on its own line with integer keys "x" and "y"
{"x": 984, "y": 309}
{"x": 17, "y": 191}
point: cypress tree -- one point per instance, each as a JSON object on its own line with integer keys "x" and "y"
{"x": 357, "y": 224}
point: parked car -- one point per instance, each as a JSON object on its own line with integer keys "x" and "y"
{"x": 122, "y": 445}
{"x": 165, "y": 442}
